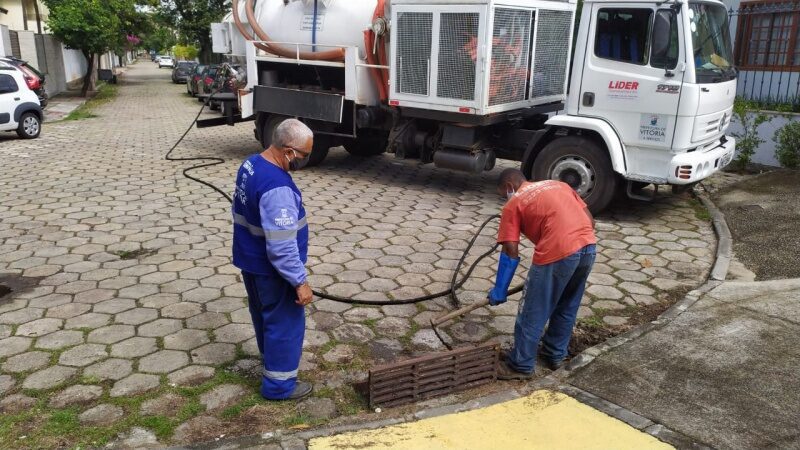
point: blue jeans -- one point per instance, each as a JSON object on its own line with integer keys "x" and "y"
{"x": 279, "y": 324}
{"x": 552, "y": 293}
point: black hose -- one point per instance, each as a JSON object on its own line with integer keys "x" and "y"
{"x": 455, "y": 283}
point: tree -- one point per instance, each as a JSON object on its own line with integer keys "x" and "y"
{"x": 193, "y": 19}
{"x": 93, "y": 27}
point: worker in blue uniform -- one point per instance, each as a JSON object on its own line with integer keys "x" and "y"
{"x": 270, "y": 246}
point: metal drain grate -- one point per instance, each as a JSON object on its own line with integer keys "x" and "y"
{"x": 433, "y": 375}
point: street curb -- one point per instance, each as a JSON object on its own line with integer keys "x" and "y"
{"x": 724, "y": 238}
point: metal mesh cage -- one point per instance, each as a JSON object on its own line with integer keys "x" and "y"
{"x": 458, "y": 52}
{"x": 511, "y": 50}
{"x": 413, "y": 52}
{"x": 552, "y": 48}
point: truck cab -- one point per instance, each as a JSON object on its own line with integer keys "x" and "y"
{"x": 654, "y": 81}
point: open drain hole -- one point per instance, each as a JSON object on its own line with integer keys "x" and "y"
{"x": 4, "y": 290}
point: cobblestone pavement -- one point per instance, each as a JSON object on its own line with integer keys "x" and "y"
{"x": 136, "y": 317}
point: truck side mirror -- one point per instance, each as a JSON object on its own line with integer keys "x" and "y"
{"x": 662, "y": 37}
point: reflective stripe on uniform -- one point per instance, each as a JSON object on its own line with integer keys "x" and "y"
{"x": 272, "y": 235}
{"x": 281, "y": 376}
{"x": 239, "y": 219}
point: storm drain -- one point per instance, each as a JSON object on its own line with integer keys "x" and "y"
{"x": 433, "y": 375}
{"x": 4, "y": 290}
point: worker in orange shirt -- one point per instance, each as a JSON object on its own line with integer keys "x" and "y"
{"x": 557, "y": 221}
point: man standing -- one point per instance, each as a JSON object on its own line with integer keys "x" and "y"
{"x": 557, "y": 221}
{"x": 270, "y": 246}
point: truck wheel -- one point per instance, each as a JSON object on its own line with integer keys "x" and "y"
{"x": 367, "y": 144}
{"x": 318, "y": 152}
{"x": 583, "y": 165}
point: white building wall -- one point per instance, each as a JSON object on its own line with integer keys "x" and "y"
{"x": 27, "y": 47}
{"x": 74, "y": 64}
{"x": 5, "y": 41}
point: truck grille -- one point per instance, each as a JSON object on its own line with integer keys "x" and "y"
{"x": 552, "y": 49}
{"x": 510, "y": 56}
{"x": 458, "y": 38}
{"x": 413, "y": 52}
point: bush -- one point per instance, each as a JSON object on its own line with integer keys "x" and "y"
{"x": 186, "y": 52}
{"x": 748, "y": 140}
{"x": 788, "y": 149}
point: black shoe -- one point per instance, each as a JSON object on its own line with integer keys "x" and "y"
{"x": 554, "y": 365}
{"x": 301, "y": 389}
{"x": 504, "y": 372}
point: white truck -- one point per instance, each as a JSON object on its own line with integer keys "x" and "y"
{"x": 460, "y": 83}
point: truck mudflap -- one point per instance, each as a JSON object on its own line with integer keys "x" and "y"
{"x": 323, "y": 106}
{"x": 691, "y": 167}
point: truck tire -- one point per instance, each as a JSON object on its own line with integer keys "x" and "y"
{"x": 318, "y": 152}
{"x": 582, "y": 164}
{"x": 367, "y": 144}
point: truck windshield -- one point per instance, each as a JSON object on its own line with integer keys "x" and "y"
{"x": 711, "y": 41}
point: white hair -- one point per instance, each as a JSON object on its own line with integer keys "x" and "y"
{"x": 291, "y": 133}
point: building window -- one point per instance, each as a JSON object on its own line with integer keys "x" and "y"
{"x": 768, "y": 36}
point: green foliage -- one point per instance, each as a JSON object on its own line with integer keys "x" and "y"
{"x": 785, "y": 104}
{"x": 186, "y": 52}
{"x": 193, "y": 18}
{"x": 160, "y": 36}
{"x": 788, "y": 145}
{"x": 92, "y": 26}
{"x": 748, "y": 140}
{"x": 105, "y": 93}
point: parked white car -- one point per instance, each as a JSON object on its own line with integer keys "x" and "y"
{"x": 20, "y": 109}
{"x": 165, "y": 61}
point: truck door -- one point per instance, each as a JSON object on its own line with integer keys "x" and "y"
{"x": 632, "y": 76}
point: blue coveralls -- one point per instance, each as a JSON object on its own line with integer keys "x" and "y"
{"x": 270, "y": 246}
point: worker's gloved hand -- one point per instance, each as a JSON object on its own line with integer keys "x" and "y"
{"x": 505, "y": 272}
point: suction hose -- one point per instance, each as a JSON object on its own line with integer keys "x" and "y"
{"x": 328, "y": 55}
{"x": 455, "y": 282}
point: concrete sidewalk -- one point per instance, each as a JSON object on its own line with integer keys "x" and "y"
{"x": 723, "y": 373}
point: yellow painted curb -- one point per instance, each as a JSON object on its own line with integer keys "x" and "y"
{"x": 543, "y": 420}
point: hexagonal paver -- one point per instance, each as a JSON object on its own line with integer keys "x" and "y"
{"x": 163, "y": 362}
{"x": 59, "y": 339}
{"x": 207, "y": 321}
{"x": 191, "y": 376}
{"x": 13, "y": 345}
{"x": 234, "y": 333}
{"x": 88, "y": 320}
{"x": 26, "y": 362}
{"x": 78, "y": 394}
{"x": 136, "y": 316}
{"x": 110, "y": 369}
{"x": 48, "y": 378}
{"x": 21, "y": 316}
{"x": 39, "y": 327}
{"x": 135, "y": 384}
{"x": 138, "y": 291}
{"x": 186, "y": 339}
{"x": 114, "y": 306}
{"x": 214, "y": 354}
{"x": 111, "y": 334}
{"x": 181, "y": 310}
{"x": 68, "y": 311}
{"x": 134, "y": 347}
{"x": 353, "y": 332}
{"x": 83, "y": 355}
{"x": 160, "y": 328}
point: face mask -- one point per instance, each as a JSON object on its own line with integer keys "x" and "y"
{"x": 297, "y": 163}
{"x": 510, "y": 195}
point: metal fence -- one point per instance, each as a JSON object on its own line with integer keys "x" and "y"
{"x": 767, "y": 53}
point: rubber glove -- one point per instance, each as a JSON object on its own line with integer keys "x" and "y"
{"x": 505, "y": 272}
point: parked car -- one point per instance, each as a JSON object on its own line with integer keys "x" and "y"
{"x": 165, "y": 61}
{"x": 193, "y": 82}
{"x": 20, "y": 110}
{"x": 229, "y": 77}
{"x": 33, "y": 78}
{"x": 207, "y": 79}
{"x": 182, "y": 70}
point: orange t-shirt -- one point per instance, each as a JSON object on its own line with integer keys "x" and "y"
{"x": 551, "y": 214}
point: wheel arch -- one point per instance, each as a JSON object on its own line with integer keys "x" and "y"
{"x": 597, "y": 130}
{"x": 28, "y": 107}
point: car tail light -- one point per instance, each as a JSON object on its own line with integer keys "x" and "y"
{"x": 209, "y": 80}
{"x": 31, "y": 79}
